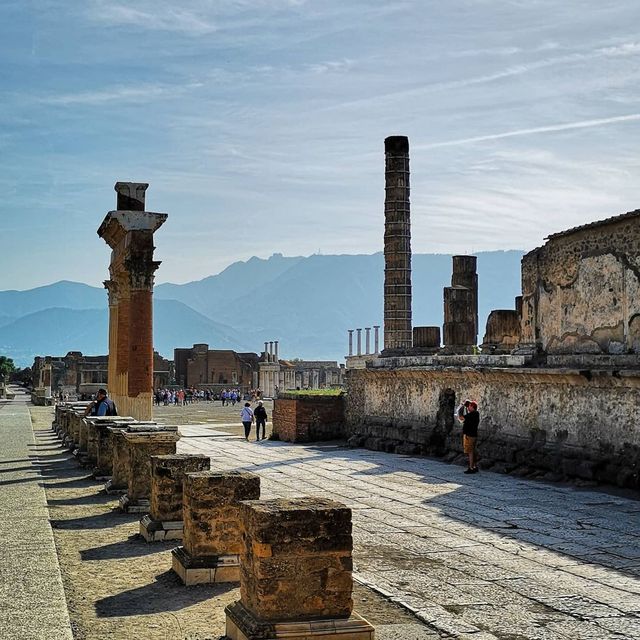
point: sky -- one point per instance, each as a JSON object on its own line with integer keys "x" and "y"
{"x": 260, "y": 125}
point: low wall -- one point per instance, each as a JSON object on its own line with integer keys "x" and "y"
{"x": 575, "y": 424}
{"x": 308, "y": 418}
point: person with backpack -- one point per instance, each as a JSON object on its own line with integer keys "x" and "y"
{"x": 102, "y": 405}
{"x": 260, "y": 414}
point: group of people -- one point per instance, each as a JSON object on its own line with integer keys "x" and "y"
{"x": 248, "y": 415}
{"x": 467, "y": 413}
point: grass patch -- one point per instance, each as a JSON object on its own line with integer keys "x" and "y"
{"x": 304, "y": 393}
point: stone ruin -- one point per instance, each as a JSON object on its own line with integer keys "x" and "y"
{"x": 557, "y": 376}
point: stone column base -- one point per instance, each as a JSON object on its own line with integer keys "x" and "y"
{"x": 111, "y": 490}
{"x": 205, "y": 570}
{"x": 133, "y": 506}
{"x": 156, "y": 530}
{"x": 241, "y": 624}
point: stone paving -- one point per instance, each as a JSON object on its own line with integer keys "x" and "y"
{"x": 481, "y": 556}
{"x": 33, "y": 602}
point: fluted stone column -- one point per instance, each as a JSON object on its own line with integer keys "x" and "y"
{"x": 350, "y": 342}
{"x": 367, "y": 340}
{"x": 376, "y": 338}
{"x": 129, "y": 232}
{"x": 359, "y": 341}
{"x": 397, "y": 247}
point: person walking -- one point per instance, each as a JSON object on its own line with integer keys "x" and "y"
{"x": 246, "y": 416}
{"x": 260, "y": 414}
{"x": 470, "y": 424}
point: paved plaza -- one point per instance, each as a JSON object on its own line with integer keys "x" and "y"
{"x": 485, "y": 555}
{"x": 437, "y": 553}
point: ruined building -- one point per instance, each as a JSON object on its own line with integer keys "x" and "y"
{"x": 200, "y": 366}
{"x": 557, "y": 377}
{"x": 81, "y": 376}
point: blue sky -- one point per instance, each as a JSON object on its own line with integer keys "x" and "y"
{"x": 259, "y": 125}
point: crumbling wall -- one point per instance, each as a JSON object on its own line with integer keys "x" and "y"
{"x": 581, "y": 290}
{"x": 577, "y": 424}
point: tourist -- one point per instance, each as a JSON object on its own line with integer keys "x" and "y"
{"x": 261, "y": 420}
{"x": 102, "y": 405}
{"x": 247, "y": 418}
{"x": 470, "y": 424}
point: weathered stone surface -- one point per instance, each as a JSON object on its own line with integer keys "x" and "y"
{"x": 460, "y": 327}
{"x": 296, "y": 559}
{"x": 167, "y": 478}
{"x": 211, "y": 513}
{"x": 308, "y": 418}
{"x": 426, "y": 337}
{"x": 502, "y": 333}
{"x": 581, "y": 290}
{"x": 397, "y": 246}
{"x": 569, "y": 421}
{"x": 141, "y": 446}
{"x": 129, "y": 233}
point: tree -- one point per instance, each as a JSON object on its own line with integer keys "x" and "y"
{"x": 6, "y": 367}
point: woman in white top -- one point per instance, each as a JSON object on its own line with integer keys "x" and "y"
{"x": 247, "y": 418}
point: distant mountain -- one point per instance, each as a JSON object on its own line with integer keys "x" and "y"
{"x": 56, "y": 331}
{"x": 306, "y": 303}
{"x": 63, "y": 294}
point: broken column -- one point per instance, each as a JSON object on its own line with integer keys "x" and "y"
{"x": 142, "y": 443}
{"x": 397, "y": 247}
{"x": 426, "y": 340}
{"x": 460, "y": 329}
{"x": 129, "y": 232}
{"x": 212, "y": 533}
{"x": 164, "y": 520}
{"x": 296, "y": 573}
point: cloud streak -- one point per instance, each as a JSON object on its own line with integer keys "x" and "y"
{"x": 566, "y": 126}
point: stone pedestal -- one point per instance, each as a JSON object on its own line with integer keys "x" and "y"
{"x": 97, "y": 434}
{"x": 164, "y": 520}
{"x": 212, "y": 530}
{"x": 141, "y": 444}
{"x": 296, "y": 573}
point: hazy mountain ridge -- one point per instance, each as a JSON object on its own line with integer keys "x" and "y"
{"x": 306, "y": 303}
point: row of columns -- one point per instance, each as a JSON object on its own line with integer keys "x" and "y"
{"x": 367, "y": 330}
{"x": 271, "y": 351}
{"x": 228, "y": 533}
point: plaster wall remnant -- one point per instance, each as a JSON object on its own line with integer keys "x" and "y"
{"x": 581, "y": 290}
{"x": 129, "y": 233}
{"x": 397, "y": 247}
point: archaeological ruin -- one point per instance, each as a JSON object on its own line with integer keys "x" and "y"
{"x": 129, "y": 233}
{"x": 557, "y": 377}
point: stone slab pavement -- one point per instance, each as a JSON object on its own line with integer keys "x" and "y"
{"x": 33, "y": 602}
{"x": 481, "y": 556}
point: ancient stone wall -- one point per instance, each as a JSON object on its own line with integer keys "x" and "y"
{"x": 581, "y": 290}
{"x": 579, "y": 424}
{"x": 308, "y": 418}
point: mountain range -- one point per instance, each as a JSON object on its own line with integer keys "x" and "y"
{"x": 307, "y": 303}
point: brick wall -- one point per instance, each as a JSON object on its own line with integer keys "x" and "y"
{"x": 308, "y": 418}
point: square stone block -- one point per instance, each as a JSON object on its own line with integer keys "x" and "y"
{"x": 211, "y": 511}
{"x": 157, "y": 531}
{"x": 204, "y": 570}
{"x": 141, "y": 445}
{"x": 296, "y": 559}
{"x": 241, "y": 624}
{"x": 167, "y": 478}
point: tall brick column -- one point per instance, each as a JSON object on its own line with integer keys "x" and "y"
{"x": 129, "y": 232}
{"x": 397, "y": 247}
